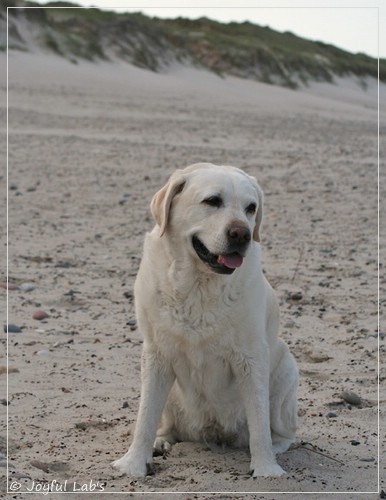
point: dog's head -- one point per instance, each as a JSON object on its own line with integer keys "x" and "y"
{"x": 213, "y": 211}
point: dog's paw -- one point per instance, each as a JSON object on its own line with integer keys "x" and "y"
{"x": 133, "y": 465}
{"x": 266, "y": 470}
{"x": 161, "y": 446}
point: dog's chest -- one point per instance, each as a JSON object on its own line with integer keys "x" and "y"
{"x": 200, "y": 315}
{"x": 204, "y": 371}
{"x": 197, "y": 337}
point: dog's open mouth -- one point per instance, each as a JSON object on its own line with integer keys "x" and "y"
{"x": 222, "y": 264}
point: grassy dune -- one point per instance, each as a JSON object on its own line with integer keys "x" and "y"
{"x": 241, "y": 49}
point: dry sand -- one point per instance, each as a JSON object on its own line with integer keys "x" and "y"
{"x": 88, "y": 147}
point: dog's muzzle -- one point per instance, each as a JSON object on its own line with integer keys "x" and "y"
{"x": 238, "y": 237}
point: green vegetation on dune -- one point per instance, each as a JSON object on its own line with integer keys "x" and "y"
{"x": 246, "y": 46}
{"x": 241, "y": 49}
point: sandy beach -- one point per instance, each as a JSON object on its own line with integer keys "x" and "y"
{"x": 89, "y": 145}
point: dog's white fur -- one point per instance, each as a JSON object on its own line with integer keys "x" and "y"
{"x": 212, "y": 363}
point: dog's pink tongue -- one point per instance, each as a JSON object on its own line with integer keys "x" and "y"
{"x": 232, "y": 261}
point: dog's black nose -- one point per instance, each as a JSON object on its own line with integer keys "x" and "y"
{"x": 239, "y": 233}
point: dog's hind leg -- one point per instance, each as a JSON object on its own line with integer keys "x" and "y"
{"x": 283, "y": 400}
{"x": 166, "y": 433}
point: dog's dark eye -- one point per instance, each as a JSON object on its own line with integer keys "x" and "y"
{"x": 251, "y": 208}
{"x": 213, "y": 201}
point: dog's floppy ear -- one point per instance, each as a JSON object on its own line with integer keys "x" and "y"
{"x": 259, "y": 212}
{"x": 162, "y": 200}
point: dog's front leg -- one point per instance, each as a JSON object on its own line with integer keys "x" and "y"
{"x": 156, "y": 382}
{"x": 253, "y": 377}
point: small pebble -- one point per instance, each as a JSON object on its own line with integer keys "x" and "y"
{"x": 296, "y": 295}
{"x": 8, "y": 369}
{"x": 370, "y": 459}
{"x": 354, "y": 442}
{"x": 42, "y": 353}
{"x": 125, "y": 404}
{"x": 63, "y": 265}
{"x": 319, "y": 356}
{"x": 124, "y": 199}
{"x": 39, "y": 315}
{"x": 40, "y": 465}
{"x": 9, "y": 286}
{"x": 12, "y": 328}
{"x": 331, "y": 414}
{"x": 351, "y": 398}
{"x": 133, "y": 324}
{"x": 71, "y": 293}
{"x": 27, "y": 287}
{"x": 63, "y": 343}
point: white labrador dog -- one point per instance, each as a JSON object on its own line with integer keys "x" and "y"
{"x": 213, "y": 367}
